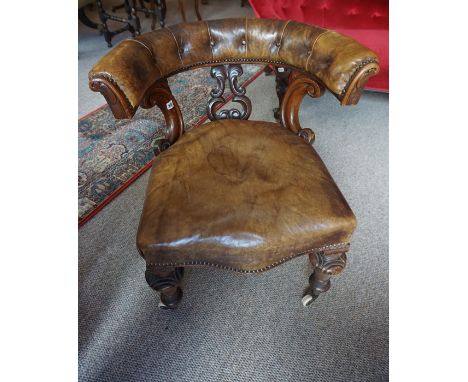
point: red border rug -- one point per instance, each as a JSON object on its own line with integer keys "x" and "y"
{"x": 113, "y": 154}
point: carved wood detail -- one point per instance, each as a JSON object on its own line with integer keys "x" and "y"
{"x": 167, "y": 282}
{"x": 299, "y": 86}
{"x": 120, "y": 106}
{"x": 355, "y": 88}
{"x": 325, "y": 266}
{"x": 160, "y": 95}
{"x": 231, "y": 72}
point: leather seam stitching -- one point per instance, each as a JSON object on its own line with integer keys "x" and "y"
{"x": 151, "y": 53}
{"x": 178, "y": 48}
{"x": 141, "y": 43}
{"x": 312, "y": 49}
{"x": 211, "y": 40}
{"x": 281, "y": 38}
{"x": 344, "y": 246}
{"x": 246, "y": 60}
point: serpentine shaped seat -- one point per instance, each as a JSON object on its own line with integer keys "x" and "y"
{"x": 237, "y": 194}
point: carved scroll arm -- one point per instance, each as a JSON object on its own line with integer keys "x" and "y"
{"x": 160, "y": 95}
{"x": 115, "y": 98}
{"x": 299, "y": 86}
{"x": 353, "y": 92}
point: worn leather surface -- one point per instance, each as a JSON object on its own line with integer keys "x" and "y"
{"x": 241, "y": 195}
{"x": 135, "y": 64}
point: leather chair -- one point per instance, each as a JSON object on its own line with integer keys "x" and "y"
{"x": 236, "y": 194}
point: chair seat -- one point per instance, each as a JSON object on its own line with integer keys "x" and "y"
{"x": 241, "y": 195}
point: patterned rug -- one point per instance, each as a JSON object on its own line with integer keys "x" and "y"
{"x": 114, "y": 153}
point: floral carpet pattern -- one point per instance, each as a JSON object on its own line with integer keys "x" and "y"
{"x": 113, "y": 153}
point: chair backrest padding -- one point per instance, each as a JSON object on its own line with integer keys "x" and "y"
{"x": 135, "y": 64}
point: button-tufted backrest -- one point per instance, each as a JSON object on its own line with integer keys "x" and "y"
{"x": 340, "y": 14}
{"x": 134, "y": 65}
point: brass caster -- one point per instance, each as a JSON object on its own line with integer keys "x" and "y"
{"x": 170, "y": 301}
{"x": 308, "y": 299}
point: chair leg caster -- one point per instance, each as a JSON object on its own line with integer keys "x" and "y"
{"x": 308, "y": 299}
{"x": 170, "y": 301}
{"x": 167, "y": 282}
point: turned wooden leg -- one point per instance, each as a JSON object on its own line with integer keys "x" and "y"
{"x": 182, "y": 10}
{"x": 143, "y": 8}
{"x": 133, "y": 21}
{"x": 162, "y": 9}
{"x": 324, "y": 267}
{"x": 104, "y": 28}
{"x": 152, "y": 6}
{"x": 167, "y": 282}
{"x": 197, "y": 10}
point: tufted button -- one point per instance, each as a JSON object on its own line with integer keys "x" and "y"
{"x": 243, "y": 42}
{"x": 211, "y": 43}
{"x": 278, "y": 44}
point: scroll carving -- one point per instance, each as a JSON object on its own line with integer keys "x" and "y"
{"x": 160, "y": 95}
{"x": 120, "y": 106}
{"x": 299, "y": 86}
{"x": 307, "y": 134}
{"x": 331, "y": 264}
{"x": 231, "y": 72}
{"x": 355, "y": 88}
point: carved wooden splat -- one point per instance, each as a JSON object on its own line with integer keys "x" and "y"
{"x": 231, "y": 72}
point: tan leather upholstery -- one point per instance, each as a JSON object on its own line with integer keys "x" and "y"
{"x": 241, "y": 195}
{"x": 134, "y": 65}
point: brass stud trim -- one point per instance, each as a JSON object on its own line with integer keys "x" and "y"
{"x": 343, "y": 246}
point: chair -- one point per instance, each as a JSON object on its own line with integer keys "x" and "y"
{"x": 235, "y": 194}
